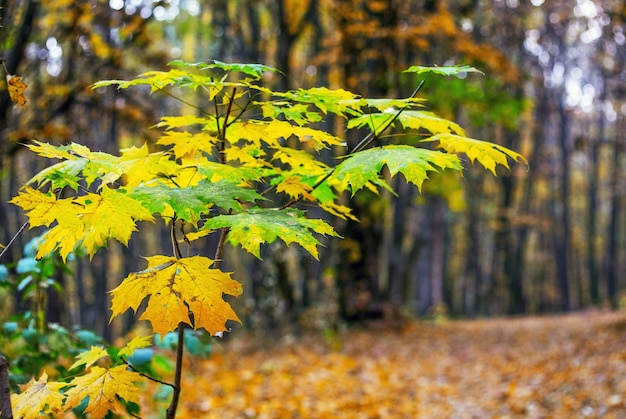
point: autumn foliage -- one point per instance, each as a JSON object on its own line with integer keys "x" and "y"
{"x": 238, "y": 168}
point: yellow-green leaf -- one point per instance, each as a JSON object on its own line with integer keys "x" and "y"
{"x": 363, "y": 168}
{"x": 257, "y": 226}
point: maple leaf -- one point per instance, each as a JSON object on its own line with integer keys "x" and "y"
{"x": 170, "y": 122}
{"x": 410, "y": 119}
{"x": 252, "y": 228}
{"x": 103, "y": 387}
{"x": 444, "y": 70}
{"x": 137, "y": 165}
{"x": 337, "y": 101}
{"x": 136, "y": 343}
{"x": 37, "y": 396}
{"x": 252, "y": 131}
{"x": 254, "y": 70}
{"x": 429, "y": 121}
{"x": 186, "y": 145}
{"x": 89, "y": 220}
{"x": 191, "y": 202}
{"x": 16, "y": 90}
{"x": 302, "y": 160}
{"x": 294, "y": 187}
{"x": 67, "y": 151}
{"x": 314, "y": 138}
{"x": 364, "y": 167}
{"x": 90, "y": 357}
{"x": 176, "y": 287}
{"x": 487, "y": 154}
{"x": 298, "y": 113}
{"x": 215, "y": 172}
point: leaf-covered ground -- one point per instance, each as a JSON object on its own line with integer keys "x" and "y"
{"x": 570, "y": 366}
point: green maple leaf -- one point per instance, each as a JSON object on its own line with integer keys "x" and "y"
{"x": 454, "y": 70}
{"x": 252, "y": 228}
{"x": 363, "y": 168}
{"x": 254, "y": 70}
{"x": 191, "y": 202}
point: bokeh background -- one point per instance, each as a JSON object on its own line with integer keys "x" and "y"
{"x": 540, "y": 238}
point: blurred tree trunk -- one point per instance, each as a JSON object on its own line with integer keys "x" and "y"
{"x": 288, "y": 32}
{"x": 615, "y": 211}
{"x": 562, "y": 227}
{"x": 592, "y": 213}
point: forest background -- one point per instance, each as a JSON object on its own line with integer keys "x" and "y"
{"x": 544, "y": 238}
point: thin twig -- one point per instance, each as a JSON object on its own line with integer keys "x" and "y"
{"x": 372, "y": 135}
{"x": 156, "y": 380}
{"x": 13, "y": 239}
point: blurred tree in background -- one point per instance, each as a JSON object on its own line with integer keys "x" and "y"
{"x": 543, "y": 239}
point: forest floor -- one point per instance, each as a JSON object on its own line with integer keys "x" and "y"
{"x": 569, "y": 366}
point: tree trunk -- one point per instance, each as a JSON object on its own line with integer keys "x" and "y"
{"x": 562, "y": 228}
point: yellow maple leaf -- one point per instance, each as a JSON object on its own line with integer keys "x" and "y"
{"x": 175, "y": 288}
{"x": 295, "y": 188}
{"x": 140, "y": 166}
{"x": 16, "y": 90}
{"x": 89, "y": 220}
{"x": 103, "y": 386}
{"x": 488, "y": 154}
{"x": 36, "y": 396}
{"x": 187, "y": 145}
{"x": 135, "y": 343}
{"x": 90, "y": 357}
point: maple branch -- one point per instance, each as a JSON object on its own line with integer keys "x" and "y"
{"x": 144, "y": 375}
{"x": 372, "y": 135}
{"x": 13, "y": 239}
{"x": 222, "y": 135}
{"x": 220, "y": 248}
{"x": 243, "y": 110}
{"x": 171, "y": 410}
